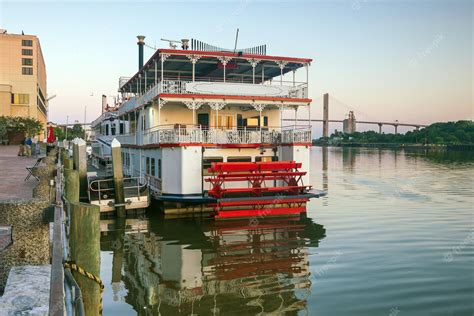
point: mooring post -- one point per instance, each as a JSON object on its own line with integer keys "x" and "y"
{"x": 118, "y": 177}
{"x": 71, "y": 185}
{"x": 64, "y": 154}
{"x": 84, "y": 242}
{"x": 80, "y": 164}
{"x": 68, "y": 163}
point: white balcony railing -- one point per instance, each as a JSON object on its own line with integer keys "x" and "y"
{"x": 206, "y": 86}
{"x": 194, "y": 135}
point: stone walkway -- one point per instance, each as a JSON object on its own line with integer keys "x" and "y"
{"x": 13, "y": 173}
{"x": 27, "y": 291}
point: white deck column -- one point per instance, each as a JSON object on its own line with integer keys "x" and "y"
{"x": 216, "y": 106}
{"x": 146, "y": 82}
{"x": 156, "y": 72}
{"x": 193, "y": 59}
{"x": 296, "y": 114}
{"x": 281, "y": 64}
{"x": 253, "y": 62}
{"x": 224, "y": 60}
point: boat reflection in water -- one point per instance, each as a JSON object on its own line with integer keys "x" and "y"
{"x": 208, "y": 267}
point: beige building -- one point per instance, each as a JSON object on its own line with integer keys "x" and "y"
{"x": 23, "y": 89}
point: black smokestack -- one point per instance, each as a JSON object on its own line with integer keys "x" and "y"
{"x": 141, "y": 43}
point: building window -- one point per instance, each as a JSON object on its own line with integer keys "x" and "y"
{"x": 147, "y": 165}
{"x": 26, "y": 71}
{"x": 26, "y": 43}
{"x": 113, "y": 128}
{"x": 27, "y": 52}
{"x": 27, "y": 62}
{"x": 107, "y": 129}
{"x": 20, "y": 98}
{"x": 122, "y": 128}
{"x": 152, "y": 166}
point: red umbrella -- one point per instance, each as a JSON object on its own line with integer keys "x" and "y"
{"x": 51, "y": 137}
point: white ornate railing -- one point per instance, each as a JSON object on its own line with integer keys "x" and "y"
{"x": 203, "y": 86}
{"x": 233, "y": 88}
{"x": 217, "y": 136}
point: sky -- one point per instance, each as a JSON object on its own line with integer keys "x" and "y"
{"x": 410, "y": 61}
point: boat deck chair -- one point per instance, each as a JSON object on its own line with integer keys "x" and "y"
{"x": 31, "y": 169}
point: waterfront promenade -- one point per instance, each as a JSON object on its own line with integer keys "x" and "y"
{"x": 13, "y": 172}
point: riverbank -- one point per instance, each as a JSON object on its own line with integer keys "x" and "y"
{"x": 462, "y": 147}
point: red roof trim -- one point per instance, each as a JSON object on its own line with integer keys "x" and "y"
{"x": 232, "y": 97}
{"x": 235, "y": 55}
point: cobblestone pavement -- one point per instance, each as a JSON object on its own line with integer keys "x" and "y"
{"x": 13, "y": 173}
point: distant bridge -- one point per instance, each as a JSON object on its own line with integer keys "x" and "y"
{"x": 351, "y": 121}
{"x": 380, "y": 124}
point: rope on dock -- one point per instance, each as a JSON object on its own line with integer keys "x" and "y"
{"x": 73, "y": 266}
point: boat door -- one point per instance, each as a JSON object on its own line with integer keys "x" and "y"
{"x": 203, "y": 120}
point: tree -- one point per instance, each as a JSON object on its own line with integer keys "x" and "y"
{"x": 30, "y": 126}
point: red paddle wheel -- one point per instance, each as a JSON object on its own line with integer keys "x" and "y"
{"x": 258, "y": 189}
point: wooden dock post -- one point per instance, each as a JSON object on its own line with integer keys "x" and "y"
{"x": 80, "y": 164}
{"x": 71, "y": 185}
{"x": 84, "y": 244}
{"x": 68, "y": 163}
{"x": 118, "y": 177}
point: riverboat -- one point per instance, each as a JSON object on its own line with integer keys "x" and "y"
{"x": 203, "y": 126}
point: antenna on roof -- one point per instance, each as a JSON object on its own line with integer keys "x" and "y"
{"x": 171, "y": 42}
{"x": 236, "y": 38}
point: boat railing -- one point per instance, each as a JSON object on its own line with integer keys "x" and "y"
{"x": 180, "y": 134}
{"x": 154, "y": 183}
{"x": 104, "y": 189}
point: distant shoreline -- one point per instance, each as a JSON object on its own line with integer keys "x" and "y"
{"x": 463, "y": 147}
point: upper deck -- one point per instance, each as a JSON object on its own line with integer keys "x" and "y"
{"x": 179, "y": 74}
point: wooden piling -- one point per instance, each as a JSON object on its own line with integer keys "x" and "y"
{"x": 85, "y": 252}
{"x": 71, "y": 185}
{"x": 80, "y": 164}
{"x": 118, "y": 178}
{"x": 68, "y": 163}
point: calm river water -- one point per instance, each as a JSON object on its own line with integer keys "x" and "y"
{"x": 394, "y": 236}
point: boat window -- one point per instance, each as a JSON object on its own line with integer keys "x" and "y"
{"x": 255, "y": 122}
{"x": 266, "y": 158}
{"x": 152, "y": 166}
{"x": 207, "y": 161}
{"x": 239, "y": 159}
{"x": 159, "y": 168}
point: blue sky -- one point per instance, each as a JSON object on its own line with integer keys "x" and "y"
{"x": 386, "y": 60}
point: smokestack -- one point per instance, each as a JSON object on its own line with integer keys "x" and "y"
{"x": 104, "y": 103}
{"x": 140, "y": 43}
